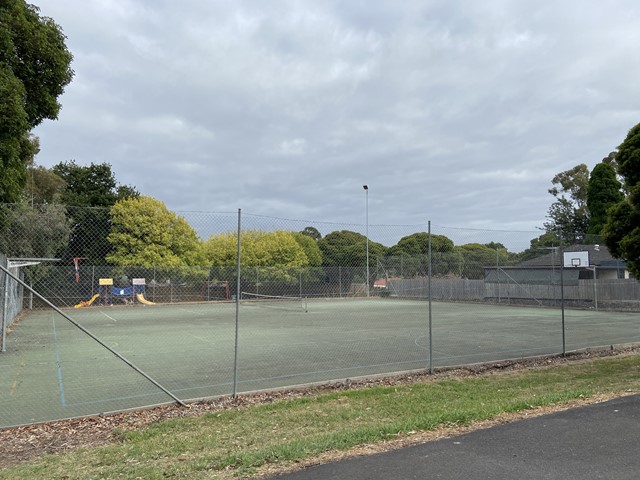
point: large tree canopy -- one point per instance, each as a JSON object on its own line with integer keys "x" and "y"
{"x": 409, "y": 257}
{"x": 568, "y": 215}
{"x": 540, "y": 246}
{"x": 628, "y": 158}
{"x": 145, "y": 233}
{"x": 93, "y": 185}
{"x": 604, "y": 191}
{"x": 622, "y": 231}
{"x": 473, "y": 258}
{"x": 34, "y": 232}
{"x": 345, "y": 248}
{"x": 89, "y": 194}
{"x": 258, "y": 249}
{"x": 273, "y": 256}
{"x": 13, "y": 132}
{"x": 44, "y": 186}
{"x": 418, "y": 244}
{"x": 34, "y": 69}
{"x": 312, "y": 232}
{"x": 310, "y": 247}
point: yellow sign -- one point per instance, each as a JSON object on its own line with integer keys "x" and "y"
{"x": 105, "y": 281}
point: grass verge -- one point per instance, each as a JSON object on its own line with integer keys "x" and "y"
{"x": 238, "y": 442}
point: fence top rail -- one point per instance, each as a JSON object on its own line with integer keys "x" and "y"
{"x": 25, "y": 262}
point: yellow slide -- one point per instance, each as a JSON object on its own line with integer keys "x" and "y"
{"x": 141, "y": 299}
{"x": 86, "y": 303}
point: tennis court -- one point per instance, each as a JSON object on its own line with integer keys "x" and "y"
{"x": 52, "y": 370}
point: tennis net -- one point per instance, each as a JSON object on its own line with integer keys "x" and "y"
{"x": 275, "y": 301}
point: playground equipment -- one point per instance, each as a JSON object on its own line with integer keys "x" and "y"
{"x": 86, "y": 303}
{"x": 103, "y": 291}
{"x": 138, "y": 285}
{"x": 104, "y": 288}
{"x": 143, "y": 300}
{"x": 217, "y": 290}
{"x": 107, "y": 291}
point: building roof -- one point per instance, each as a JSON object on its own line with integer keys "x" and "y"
{"x": 599, "y": 256}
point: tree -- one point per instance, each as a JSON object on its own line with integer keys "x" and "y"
{"x": 279, "y": 249}
{"x": 43, "y": 186}
{"x": 343, "y": 249}
{"x": 94, "y": 185}
{"x": 34, "y": 69}
{"x": 36, "y": 226}
{"x": 574, "y": 182}
{"x": 622, "y": 230}
{"x": 567, "y": 221}
{"x": 474, "y": 257}
{"x": 540, "y": 246}
{"x": 34, "y": 232}
{"x": 310, "y": 247}
{"x": 418, "y": 244}
{"x": 501, "y": 255}
{"x": 90, "y": 192}
{"x": 311, "y": 232}
{"x": 411, "y": 245}
{"x": 257, "y": 248}
{"x": 144, "y": 233}
{"x": 412, "y": 252}
{"x": 628, "y": 158}
{"x": 610, "y": 159}
{"x": 569, "y": 216}
{"x": 277, "y": 256}
{"x": 604, "y": 191}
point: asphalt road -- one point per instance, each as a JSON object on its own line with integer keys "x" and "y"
{"x": 600, "y": 441}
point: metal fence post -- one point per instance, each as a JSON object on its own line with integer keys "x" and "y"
{"x": 498, "y": 271}
{"x": 430, "y": 312}
{"x": 564, "y": 343}
{"x": 5, "y": 297}
{"x": 238, "y": 278}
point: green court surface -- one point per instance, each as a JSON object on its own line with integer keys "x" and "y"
{"x": 52, "y": 370}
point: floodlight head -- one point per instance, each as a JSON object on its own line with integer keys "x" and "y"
{"x": 366, "y": 187}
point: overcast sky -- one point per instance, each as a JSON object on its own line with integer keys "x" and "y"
{"x": 454, "y": 112}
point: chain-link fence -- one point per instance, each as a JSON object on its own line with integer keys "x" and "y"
{"x": 11, "y": 298}
{"x": 152, "y": 307}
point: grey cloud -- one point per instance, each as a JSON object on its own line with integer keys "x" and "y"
{"x": 459, "y": 112}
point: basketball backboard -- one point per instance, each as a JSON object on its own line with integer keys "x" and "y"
{"x": 576, "y": 259}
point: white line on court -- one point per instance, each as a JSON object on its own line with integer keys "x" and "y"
{"x": 109, "y": 316}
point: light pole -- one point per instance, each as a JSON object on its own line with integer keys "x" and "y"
{"x": 366, "y": 191}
